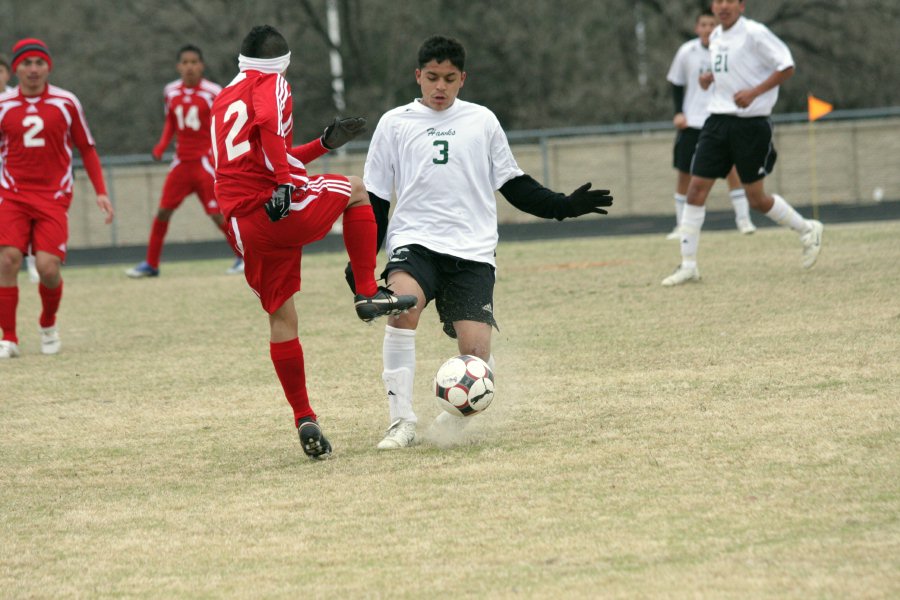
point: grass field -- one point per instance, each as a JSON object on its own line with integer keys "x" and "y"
{"x": 733, "y": 438}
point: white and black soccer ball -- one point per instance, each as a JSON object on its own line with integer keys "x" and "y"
{"x": 464, "y": 385}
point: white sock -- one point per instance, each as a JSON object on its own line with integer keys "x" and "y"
{"x": 680, "y": 201}
{"x": 399, "y": 359}
{"x": 691, "y": 223}
{"x": 740, "y": 204}
{"x": 785, "y": 215}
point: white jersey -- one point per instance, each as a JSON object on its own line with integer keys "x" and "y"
{"x": 743, "y": 57}
{"x": 691, "y": 61}
{"x": 445, "y": 166}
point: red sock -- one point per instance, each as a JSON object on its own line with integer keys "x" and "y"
{"x": 49, "y": 303}
{"x": 360, "y": 238}
{"x": 154, "y": 246}
{"x": 288, "y": 360}
{"x": 9, "y": 300}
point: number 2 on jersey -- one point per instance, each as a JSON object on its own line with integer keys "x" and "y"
{"x": 35, "y": 125}
{"x": 443, "y": 147}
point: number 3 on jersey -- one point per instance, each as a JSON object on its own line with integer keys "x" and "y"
{"x": 443, "y": 151}
{"x": 238, "y": 110}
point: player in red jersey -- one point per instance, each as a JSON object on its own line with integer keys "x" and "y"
{"x": 39, "y": 124}
{"x": 188, "y": 101}
{"x": 274, "y": 208}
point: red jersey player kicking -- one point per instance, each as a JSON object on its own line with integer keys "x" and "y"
{"x": 274, "y": 208}
{"x": 188, "y": 101}
{"x": 39, "y": 124}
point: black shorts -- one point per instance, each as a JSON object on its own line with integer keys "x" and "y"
{"x": 463, "y": 290}
{"x": 727, "y": 140}
{"x": 685, "y": 144}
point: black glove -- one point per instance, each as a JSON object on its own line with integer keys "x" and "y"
{"x": 348, "y": 275}
{"x": 582, "y": 201}
{"x": 342, "y": 131}
{"x": 279, "y": 205}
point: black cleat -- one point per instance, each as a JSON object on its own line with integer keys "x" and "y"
{"x": 384, "y": 302}
{"x": 314, "y": 443}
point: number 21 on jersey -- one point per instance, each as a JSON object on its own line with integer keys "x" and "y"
{"x": 720, "y": 65}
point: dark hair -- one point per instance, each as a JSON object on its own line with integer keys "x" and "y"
{"x": 440, "y": 48}
{"x": 264, "y": 41}
{"x": 190, "y": 48}
{"x": 705, "y": 13}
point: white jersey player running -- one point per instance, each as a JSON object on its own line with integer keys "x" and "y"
{"x": 691, "y": 110}
{"x": 749, "y": 62}
{"x": 443, "y": 158}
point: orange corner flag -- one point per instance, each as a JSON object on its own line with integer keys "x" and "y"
{"x": 817, "y": 108}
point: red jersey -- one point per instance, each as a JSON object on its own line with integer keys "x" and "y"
{"x": 187, "y": 117}
{"x": 37, "y": 135}
{"x": 252, "y": 129}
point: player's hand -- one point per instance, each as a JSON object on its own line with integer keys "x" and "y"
{"x": 584, "y": 200}
{"x": 680, "y": 121}
{"x": 279, "y": 205}
{"x": 348, "y": 275}
{"x": 342, "y": 131}
{"x": 706, "y": 79}
{"x": 106, "y": 206}
{"x": 744, "y": 98}
{"x": 157, "y": 154}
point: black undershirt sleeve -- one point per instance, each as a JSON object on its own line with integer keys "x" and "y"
{"x": 381, "y": 208}
{"x": 678, "y": 98}
{"x": 531, "y": 197}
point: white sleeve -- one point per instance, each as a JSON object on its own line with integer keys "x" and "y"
{"x": 503, "y": 163}
{"x": 378, "y": 174}
{"x": 676, "y": 74}
{"x": 772, "y": 50}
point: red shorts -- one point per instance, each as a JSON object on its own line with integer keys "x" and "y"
{"x": 190, "y": 177}
{"x": 272, "y": 251}
{"x": 35, "y": 218}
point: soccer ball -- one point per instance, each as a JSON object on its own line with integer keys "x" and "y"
{"x": 464, "y": 385}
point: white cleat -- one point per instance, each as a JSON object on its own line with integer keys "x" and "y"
{"x": 50, "y": 342}
{"x": 33, "y": 275}
{"x": 745, "y": 226}
{"x": 8, "y": 349}
{"x": 400, "y": 434}
{"x": 812, "y": 243}
{"x": 682, "y": 275}
{"x": 237, "y": 268}
{"x": 675, "y": 234}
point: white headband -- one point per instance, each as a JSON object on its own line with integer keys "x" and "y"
{"x": 264, "y": 65}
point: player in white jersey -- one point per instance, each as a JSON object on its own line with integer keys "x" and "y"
{"x": 444, "y": 158}
{"x": 691, "y": 110}
{"x": 749, "y": 62}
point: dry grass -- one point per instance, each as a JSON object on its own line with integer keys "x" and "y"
{"x": 734, "y": 438}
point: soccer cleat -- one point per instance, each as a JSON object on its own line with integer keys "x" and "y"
{"x": 315, "y": 446}
{"x": 50, "y": 342}
{"x": 675, "y": 234}
{"x": 30, "y": 264}
{"x": 399, "y": 435}
{"x": 682, "y": 275}
{"x": 142, "y": 270}
{"x": 8, "y": 349}
{"x": 812, "y": 243}
{"x": 745, "y": 226}
{"x": 384, "y": 302}
{"x": 237, "y": 268}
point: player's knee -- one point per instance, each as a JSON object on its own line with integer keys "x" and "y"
{"x": 10, "y": 260}
{"x": 358, "y": 194}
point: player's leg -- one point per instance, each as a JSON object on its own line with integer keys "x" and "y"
{"x": 10, "y": 263}
{"x": 399, "y": 347}
{"x": 360, "y": 240}
{"x": 287, "y": 358}
{"x": 682, "y": 155}
{"x": 740, "y": 204}
{"x": 755, "y": 157}
{"x": 175, "y": 189}
{"x": 50, "y": 234}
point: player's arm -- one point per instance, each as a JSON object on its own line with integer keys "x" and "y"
{"x": 679, "y": 120}
{"x": 94, "y": 169}
{"x": 168, "y": 133}
{"x": 531, "y": 197}
{"x": 745, "y": 98}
